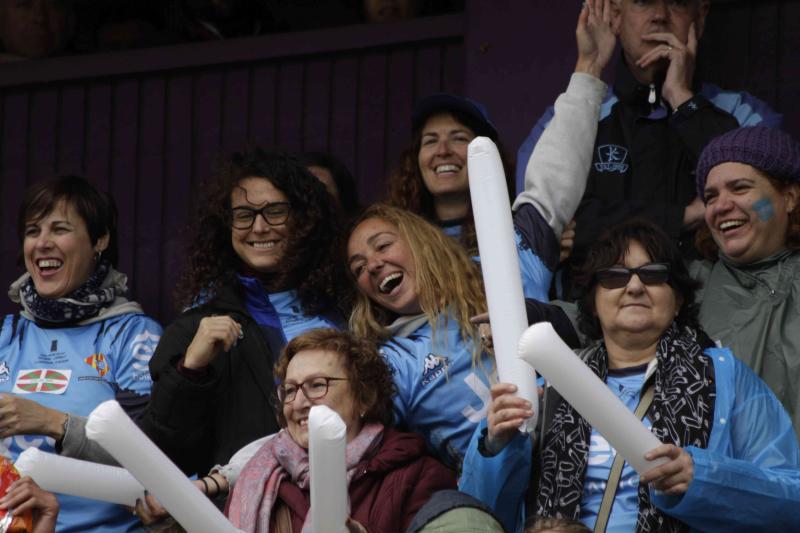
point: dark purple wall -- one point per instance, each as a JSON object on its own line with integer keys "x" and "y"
{"x": 146, "y": 125}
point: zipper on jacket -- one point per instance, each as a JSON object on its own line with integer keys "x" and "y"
{"x": 652, "y": 97}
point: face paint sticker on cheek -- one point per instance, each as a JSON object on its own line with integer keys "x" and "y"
{"x": 763, "y": 209}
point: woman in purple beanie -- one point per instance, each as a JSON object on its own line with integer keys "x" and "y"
{"x": 749, "y": 179}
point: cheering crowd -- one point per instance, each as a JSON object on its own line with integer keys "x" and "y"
{"x": 657, "y": 228}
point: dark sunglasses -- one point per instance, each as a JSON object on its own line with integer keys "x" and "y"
{"x": 617, "y": 277}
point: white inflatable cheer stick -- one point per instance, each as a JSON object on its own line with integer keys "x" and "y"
{"x": 110, "y": 427}
{"x": 326, "y": 454}
{"x": 79, "y": 478}
{"x": 541, "y": 347}
{"x": 500, "y": 265}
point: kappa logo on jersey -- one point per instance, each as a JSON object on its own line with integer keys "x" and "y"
{"x": 433, "y": 367}
{"x": 612, "y": 158}
{"x": 44, "y": 380}
{"x": 98, "y": 362}
{"x": 5, "y": 373}
{"x": 143, "y": 346}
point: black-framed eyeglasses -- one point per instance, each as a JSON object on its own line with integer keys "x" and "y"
{"x": 313, "y": 388}
{"x": 274, "y": 214}
{"x": 617, "y": 277}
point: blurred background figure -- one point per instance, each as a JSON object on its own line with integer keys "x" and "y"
{"x": 336, "y": 178}
{"x": 389, "y": 10}
{"x": 30, "y": 29}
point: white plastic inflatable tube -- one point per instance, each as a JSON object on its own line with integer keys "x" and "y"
{"x": 65, "y": 475}
{"x": 500, "y": 264}
{"x": 541, "y": 347}
{"x": 327, "y": 435}
{"x": 110, "y": 427}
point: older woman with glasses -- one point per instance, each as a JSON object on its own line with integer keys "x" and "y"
{"x": 732, "y": 459}
{"x": 260, "y": 272}
{"x": 389, "y": 473}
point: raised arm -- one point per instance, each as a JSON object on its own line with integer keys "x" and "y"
{"x": 555, "y": 174}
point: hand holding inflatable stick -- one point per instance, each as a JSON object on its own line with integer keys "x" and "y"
{"x": 540, "y": 346}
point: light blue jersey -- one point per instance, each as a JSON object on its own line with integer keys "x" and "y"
{"x": 601, "y": 456}
{"x": 74, "y": 369}
{"x": 440, "y": 394}
{"x": 536, "y": 248}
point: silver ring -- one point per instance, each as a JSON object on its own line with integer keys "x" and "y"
{"x": 669, "y": 48}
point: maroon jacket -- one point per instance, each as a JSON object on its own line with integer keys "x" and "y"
{"x": 388, "y": 488}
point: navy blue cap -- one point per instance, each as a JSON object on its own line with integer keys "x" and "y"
{"x": 443, "y": 102}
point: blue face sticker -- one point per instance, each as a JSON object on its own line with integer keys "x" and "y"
{"x": 764, "y": 209}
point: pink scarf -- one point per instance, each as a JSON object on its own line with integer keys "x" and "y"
{"x": 254, "y": 495}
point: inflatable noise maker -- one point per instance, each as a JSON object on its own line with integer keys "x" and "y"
{"x": 110, "y": 427}
{"x": 500, "y": 266}
{"x": 540, "y": 346}
{"x": 80, "y": 478}
{"x": 327, "y": 476}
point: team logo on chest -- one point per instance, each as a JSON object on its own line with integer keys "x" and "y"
{"x": 611, "y": 158}
{"x": 433, "y": 367}
{"x": 5, "y": 373}
{"x": 98, "y": 362}
{"x": 46, "y": 380}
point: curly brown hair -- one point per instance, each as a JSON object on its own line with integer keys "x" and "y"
{"x": 369, "y": 376}
{"x": 705, "y": 244}
{"x": 313, "y": 225}
{"x": 407, "y": 189}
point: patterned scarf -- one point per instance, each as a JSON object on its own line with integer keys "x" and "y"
{"x": 682, "y": 412}
{"x": 282, "y": 459}
{"x": 84, "y": 302}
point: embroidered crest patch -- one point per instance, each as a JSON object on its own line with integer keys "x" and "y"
{"x": 611, "y": 158}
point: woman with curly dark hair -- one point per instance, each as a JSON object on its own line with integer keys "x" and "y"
{"x": 259, "y": 272}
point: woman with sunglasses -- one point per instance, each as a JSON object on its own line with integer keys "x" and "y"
{"x": 389, "y": 473}
{"x": 259, "y": 272}
{"x": 729, "y": 444}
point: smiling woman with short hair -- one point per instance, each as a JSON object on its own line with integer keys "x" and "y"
{"x": 77, "y": 341}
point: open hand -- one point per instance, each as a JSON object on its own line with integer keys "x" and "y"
{"x": 595, "y": 38}
{"x": 677, "y": 87}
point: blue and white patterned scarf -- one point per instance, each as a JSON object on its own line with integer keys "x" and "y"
{"x": 84, "y": 302}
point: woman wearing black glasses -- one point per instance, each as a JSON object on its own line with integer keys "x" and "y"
{"x": 732, "y": 457}
{"x": 390, "y": 474}
{"x": 259, "y": 272}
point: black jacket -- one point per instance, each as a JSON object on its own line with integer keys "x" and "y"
{"x": 644, "y": 159}
{"x": 199, "y": 424}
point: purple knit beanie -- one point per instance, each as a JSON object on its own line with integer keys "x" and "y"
{"x": 771, "y": 151}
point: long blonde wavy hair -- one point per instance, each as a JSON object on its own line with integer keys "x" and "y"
{"x": 447, "y": 279}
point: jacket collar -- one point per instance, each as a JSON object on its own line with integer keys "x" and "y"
{"x": 635, "y": 94}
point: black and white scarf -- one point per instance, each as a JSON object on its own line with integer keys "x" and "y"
{"x": 681, "y": 413}
{"x": 84, "y": 302}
